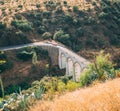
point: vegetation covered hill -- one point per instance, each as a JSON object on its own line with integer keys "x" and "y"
{"x": 99, "y": 97}
{"x": 79, "y": 24}
{"x": 19, "y": 68}
{"x": 85, "y": 26}
{"x": 48, "y": 87}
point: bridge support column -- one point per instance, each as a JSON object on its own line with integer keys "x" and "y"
{"x": 77, "y": 71}
{"x": 69, "y": 67}
{"x": 62, "y": 60}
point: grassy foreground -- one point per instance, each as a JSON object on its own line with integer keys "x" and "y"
{"x": 101, "y": 97}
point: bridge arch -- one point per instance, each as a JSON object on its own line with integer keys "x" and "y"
{"x": 69, "y": 67}
{"x": 77, "y": 71}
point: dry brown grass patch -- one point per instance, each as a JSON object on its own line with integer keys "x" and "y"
{"x": 102, "y": 97}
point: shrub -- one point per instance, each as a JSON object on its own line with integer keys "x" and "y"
{"x": 20, "y": 6}
{"x": 57, "y": 34}
{"x": 101, "y": 69}
{"x": 41, "y": 29}
{"x": 5, "y": 63}
{"x": 23, "y": 25}
{"x": 95, "y": 28}
{"x": 68, "y": 18}
{"x": 59, "y": 9}
{"x": 38, "y": 5}
{"x": 75, "y": 8}
{"x": 114, "y": 40}
{"x": 61, "y": 87}
{"x": 61, "y": 37}
{"x": 80, "y": 31}
{"x": 65, "y": 3}
{"x": 2, "y": 26}
{"x": 47, "y": 35}
{"x": 54, "y": 21}
{"x": 75, "y": 22}
{"x": 21, "y": 37}
{"x": 103, "y": 15}
{"x": 24, "y": 55}
{"x": 18, "y": 16}
{"x": 46, "y": 14}
{"x": 71, "y": 85}
{"x": 2, "y": 2}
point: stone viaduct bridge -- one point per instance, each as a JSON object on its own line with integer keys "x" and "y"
{"x": 60, "y": 55}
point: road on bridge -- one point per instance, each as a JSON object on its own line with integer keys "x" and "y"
{"x": 46, "y": 43}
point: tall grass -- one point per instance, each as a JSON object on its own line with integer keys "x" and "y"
{"x": 102, "y": 97}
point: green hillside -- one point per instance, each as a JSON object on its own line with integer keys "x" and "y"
{"x": 87, "y": 24}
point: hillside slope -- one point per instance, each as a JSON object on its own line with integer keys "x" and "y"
{"x": 101, "y": 97}
{"x": 79, "y": 24}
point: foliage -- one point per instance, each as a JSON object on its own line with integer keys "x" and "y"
{"x": 24, "y": 55}
{"x": 5, "y": 63}
{"x": 2, "y": 26}
{"x": 41, "y": 29}
{"x": 61, "y": 36}
{"x": 47, "y": 35}
{"x": 34, "y": 58}
{"x": 58, "y": 85}
{"x": 48, "y": 86}
{"x": 46, "y": 14}
{"x": 23, "y": 25}
{"x": 2, "y": 88}
{"x": 75, "y": 8}
{"x": 101, "y": 69}
{"x": 71, "y": 86}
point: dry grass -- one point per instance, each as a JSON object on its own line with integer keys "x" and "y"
{"x": 11, "y": 7}
{"x": 102, "y": 97}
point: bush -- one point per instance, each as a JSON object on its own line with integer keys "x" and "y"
{"x": 24, "y": 55}
{"x": 80, "y": 31}
{"x": 21, "y": 37}
{"x": 75, "y": 8}
{"x": 59, "y": 9}
{"x": 68, "y": 18}
{"x": 41, "y": 29}
{"x": 58, "y": 34}
{"x": 71, "y": 85}
{"x": 2, "y": 2}
{"x": 65, "y": 3}
{"x": 101, "y": 69}
{"x": 23, "y": 25}
{"x": 61, "y": 37}
{"x": 38, "y": 5}
{"x": 47, "y": 35}
{"x": 103, "y": 15}
{"x": 2, "y": 26}
{"x": 46, "y": 14}
{"x": 5, "y": 63}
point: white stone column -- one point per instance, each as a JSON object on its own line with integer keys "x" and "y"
{"x": 69, "y": 67}
{"x": 77, "y": 71}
